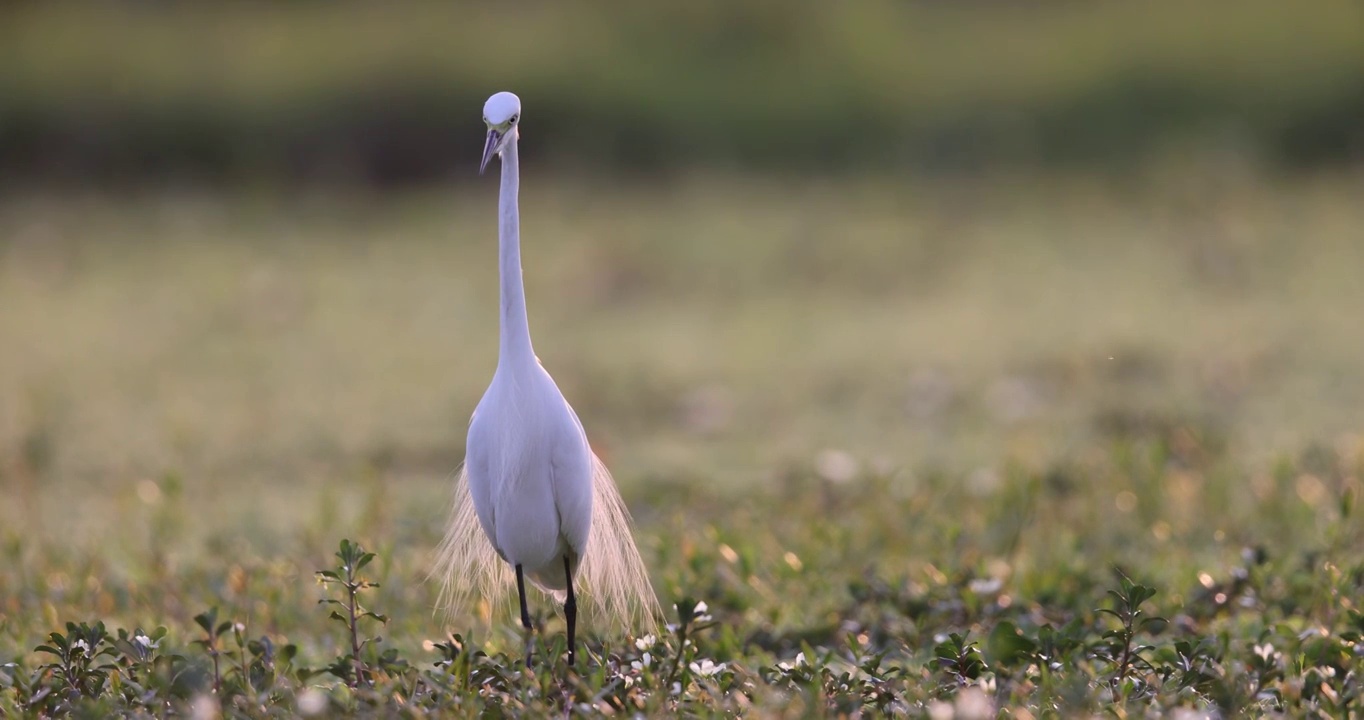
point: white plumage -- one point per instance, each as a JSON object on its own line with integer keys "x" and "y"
{"x": 531, "y": 493}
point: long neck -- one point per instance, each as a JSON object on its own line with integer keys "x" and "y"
{"x": 515, "y": 338}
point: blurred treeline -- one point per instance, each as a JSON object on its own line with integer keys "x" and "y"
{"x": 390, "y": 93}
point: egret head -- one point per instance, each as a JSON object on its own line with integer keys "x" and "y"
{"x": 502, "y": 112}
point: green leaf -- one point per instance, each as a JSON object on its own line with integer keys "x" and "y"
{"x": 1155, "y": 625}
{"x": 127, "y": 648}
{"x": 1007, "y": 644}
{"x": 686, "y": 610}
{"x": 207, "y": 619}
{"x": 1140, "y": 594}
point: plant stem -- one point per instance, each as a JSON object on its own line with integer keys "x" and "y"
{"x": 241, "y": 659}
{"x": 1126, "y": 654}
{"x": 213, "y": 653}
{"x": 351, "y": 591}
{"x": 677, "y": 659}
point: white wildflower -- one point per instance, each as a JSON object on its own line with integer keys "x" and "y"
{"x": 645, "y": 642}
{"x": 312, "y": 702}
{"x": 643, "y": 663}
{"x": 973, "y": 704}
{"x": 205, "y": 707}
{"x": 145, "y": 642}
{"x": 985, "y": 586}
{"x": 707, "y": 668}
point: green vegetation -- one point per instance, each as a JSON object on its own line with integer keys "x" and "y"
{"x": 1055, "y": 444}
{"x": 353, "y": 91}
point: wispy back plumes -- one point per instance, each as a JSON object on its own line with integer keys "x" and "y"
{"x": 612, "y": 584}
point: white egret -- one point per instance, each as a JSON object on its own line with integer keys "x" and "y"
{"x": 532, "y": 500}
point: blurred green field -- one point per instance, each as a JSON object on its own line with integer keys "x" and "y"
{"x": 352, "y": 92}
{"x": 906, "y": 328}
{"x": 715, "y": 331}
{"x": 1025, "y": 377}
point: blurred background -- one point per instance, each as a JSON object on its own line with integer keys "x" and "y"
{"x": 246, "y": 260}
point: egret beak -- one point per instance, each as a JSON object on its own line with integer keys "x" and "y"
{"x": 490, "y": 147}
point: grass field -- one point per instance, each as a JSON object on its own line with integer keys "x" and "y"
{"x": 853, "y": 418}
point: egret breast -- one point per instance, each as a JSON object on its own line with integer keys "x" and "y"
{"x": 528, "y": 525}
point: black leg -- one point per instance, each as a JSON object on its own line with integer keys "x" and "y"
{"x": 525, "y": 610}
{"x": 571, "y": 611}
{"x": 521, "y": 591}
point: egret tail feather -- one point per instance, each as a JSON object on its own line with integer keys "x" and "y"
{"x": 613, "y": 577}
{"x": 466, "y": 563}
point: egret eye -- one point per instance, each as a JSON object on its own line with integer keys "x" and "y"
{"x": 514, "y": 117}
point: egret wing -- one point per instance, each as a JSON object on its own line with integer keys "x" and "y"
{"x": 571, "y": 481}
